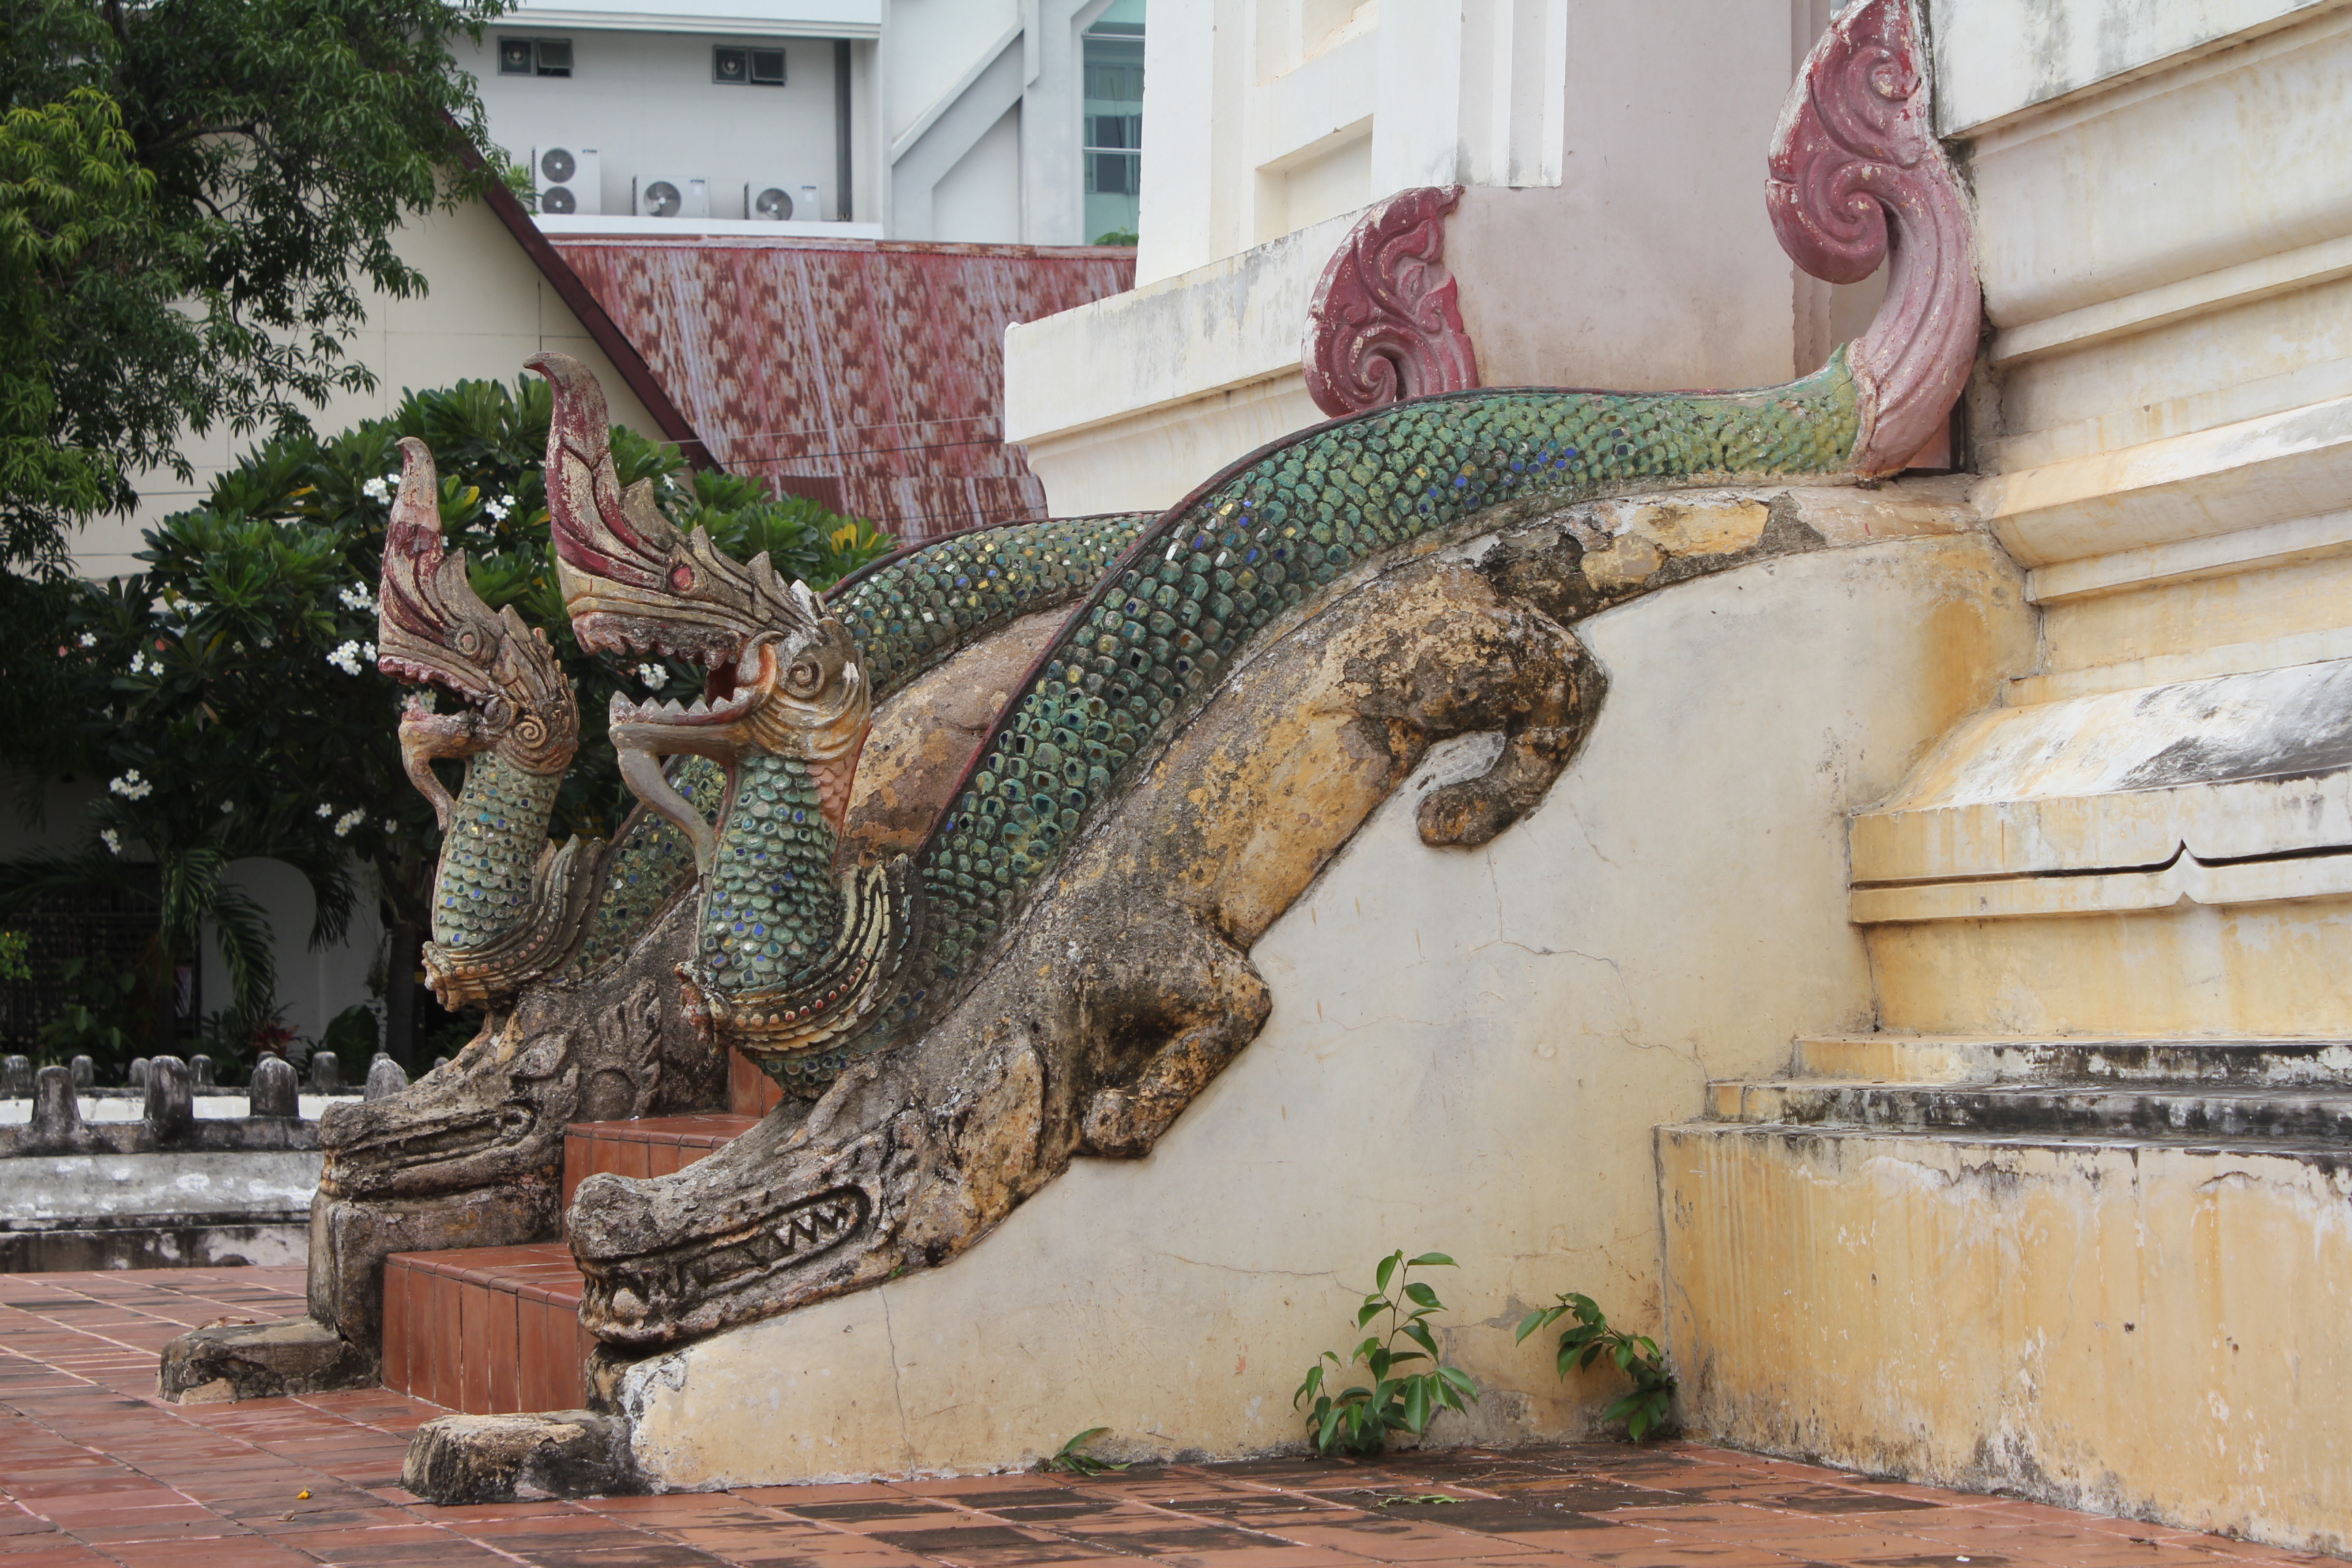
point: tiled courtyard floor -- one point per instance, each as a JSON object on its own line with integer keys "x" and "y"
{"x": 94, "y": 1472}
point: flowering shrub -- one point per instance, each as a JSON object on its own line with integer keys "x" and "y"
{"x": 230, "y": 694}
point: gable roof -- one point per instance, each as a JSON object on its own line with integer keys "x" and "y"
{"x": 867, "y": 375}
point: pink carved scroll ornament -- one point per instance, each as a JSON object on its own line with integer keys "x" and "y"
{"x": 1857, "y": 177}
{"x": 1384, "y": 324}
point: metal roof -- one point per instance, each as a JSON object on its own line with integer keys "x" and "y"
{"x": 868, "y": 375}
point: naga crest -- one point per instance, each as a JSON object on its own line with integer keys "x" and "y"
{"x": 793, "y": 951}
{"x": 433, "y": 630}
{"x": 784, "y": 676}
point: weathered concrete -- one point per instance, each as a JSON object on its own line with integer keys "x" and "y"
{"x": 514, "y": 1459}
{"x": 256, "y": 1361}
{"x": 182, "y": 1208}
{"x": 2150, "y": 1328}
{"x": 131, "y": 1105}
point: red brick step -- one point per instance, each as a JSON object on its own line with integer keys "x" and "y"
{"x": 651, "y": 1146}
{"x": 491, "y": 1330}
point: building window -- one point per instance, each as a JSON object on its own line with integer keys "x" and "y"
{"x": 534, "y": 57}
{"x": 1111, "y": 133}
{"x": 732, "y": 66}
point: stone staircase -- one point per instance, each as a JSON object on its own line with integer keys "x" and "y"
{"x": 2110, "y": 1271}
{"x": 494, "y": 1330}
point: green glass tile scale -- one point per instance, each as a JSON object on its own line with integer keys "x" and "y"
{"x": 1169, "y": 622}
{"x": 650, "y": 863}
{"x": 911, "y": 611}
{"x": 483, "y": 884}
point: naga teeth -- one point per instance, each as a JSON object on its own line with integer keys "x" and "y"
{"x": 673, "y": 708}
{"x": 699, "y": 707}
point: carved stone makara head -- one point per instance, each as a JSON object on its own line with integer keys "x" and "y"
{"x": 433, "y": 630}
{"x": 783, "y": 677}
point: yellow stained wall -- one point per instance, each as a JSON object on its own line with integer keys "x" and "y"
{"x": 2139, "y": 1331}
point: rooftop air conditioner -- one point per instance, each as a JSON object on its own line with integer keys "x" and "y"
{"x": 673, "y": 196}
{"x": 778, "y": 202}
{"x": 570, "y": 181}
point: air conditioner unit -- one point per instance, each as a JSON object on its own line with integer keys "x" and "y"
{"x": 672, "y": 197}
{"x": 570, "y": 181}
{"x": 777, "y": 202}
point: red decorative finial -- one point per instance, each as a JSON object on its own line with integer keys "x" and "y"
{"x": 1384, "y": 325}
{"x": 1857, "y": 175}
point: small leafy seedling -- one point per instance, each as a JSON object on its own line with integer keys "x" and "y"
{"x": 1072, "y": 1459}
{"x": 1645, "y": 1409}
{"x": 1359, "y": 1419}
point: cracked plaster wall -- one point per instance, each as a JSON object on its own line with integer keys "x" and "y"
{"x": 1468, "y": 1052}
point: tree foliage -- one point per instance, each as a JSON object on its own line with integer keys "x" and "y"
{"x": 228, "y": 694}
{"x": 195, "y": 197}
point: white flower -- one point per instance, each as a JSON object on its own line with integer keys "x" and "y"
{"x": 138, "y": 664}
{"x": 498, "y": 506}
{"x": 349, "y": 820}
{"x": 377, "y": 490}
{"x": 227, "y": 806}
{"x": 347, "y": 655}
{"x": 326, "y": 810}
{"x": 654, "y": 675}
{"x": 390, "y": 826}
{"x": 112, "y": 839}
{"x": 357, "y": 597}
{"x": 87, "y": 639}
{"x": 130, "y": 786}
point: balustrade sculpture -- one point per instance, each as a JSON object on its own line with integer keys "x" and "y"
{"x": 1056, "y": 964}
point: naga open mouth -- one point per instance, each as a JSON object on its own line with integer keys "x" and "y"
{"x": 632, "y": 633}
{"x": 451, "y": 1140}
{"x": 642, "y": 1291}
{"x": 704, "y": 710}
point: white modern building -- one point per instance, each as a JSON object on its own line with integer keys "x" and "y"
{"x": 1002, "y": 121}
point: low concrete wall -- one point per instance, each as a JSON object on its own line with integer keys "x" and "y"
{"x": 1468, "y": 1052}
{"x": 159, "y": 1210}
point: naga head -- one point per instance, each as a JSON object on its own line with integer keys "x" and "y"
{"x": 783, "y": 677}
{"x": 433, "y": 630}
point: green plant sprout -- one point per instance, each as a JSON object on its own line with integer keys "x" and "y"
{"x": 1072, "y": 1459}
{"x": 1648, "y": 1407}
{"x": 15, "y": 962}
{"x": 1358, "y": 1420}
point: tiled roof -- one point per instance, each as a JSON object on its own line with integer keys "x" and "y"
{"x": 866, "y": 374}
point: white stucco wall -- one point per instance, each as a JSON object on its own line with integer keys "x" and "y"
{"x": 1613, "y": 233}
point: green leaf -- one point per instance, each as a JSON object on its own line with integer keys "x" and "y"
{"x": 1432, "y": 1260}
{"x": 1416, "y": 1411}
{"x": 1421, "y": 1295}
{"x": 1387, "y": 1269}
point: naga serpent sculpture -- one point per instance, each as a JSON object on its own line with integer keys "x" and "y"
{"x": 1041, "y": 977}
{"x": 1058, "y": 963}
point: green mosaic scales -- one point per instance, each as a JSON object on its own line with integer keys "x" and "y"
{"x": 651, "y": 862}
{"x": 482, "y": 889}
{"x": 911, "y": 611}
{"x": 1260, "y": 539}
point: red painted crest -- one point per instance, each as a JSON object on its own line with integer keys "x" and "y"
{"x": 1384, "y": 324}
{"x": 1857, "y": 177}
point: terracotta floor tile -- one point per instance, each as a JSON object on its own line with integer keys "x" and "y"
{"x": 107, "y": 1476}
